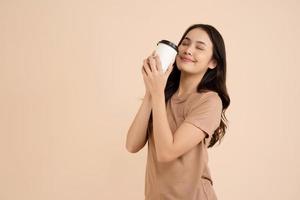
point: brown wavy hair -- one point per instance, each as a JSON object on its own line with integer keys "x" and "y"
{"x": 213, "y": 80}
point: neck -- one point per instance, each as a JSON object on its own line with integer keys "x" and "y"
{"x": 188, "y": 83}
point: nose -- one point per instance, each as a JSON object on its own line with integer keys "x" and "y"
{"x": 188, "y": 50}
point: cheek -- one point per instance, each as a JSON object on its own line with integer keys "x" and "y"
{"x": 177, "y": 58}
{"x": 201, "y": 57}
{"x": 180, "y": 50}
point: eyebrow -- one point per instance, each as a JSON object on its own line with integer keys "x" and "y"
{"x": 201, "y": 42}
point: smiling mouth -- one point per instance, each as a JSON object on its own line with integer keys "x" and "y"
{"x": 186, "y": 60}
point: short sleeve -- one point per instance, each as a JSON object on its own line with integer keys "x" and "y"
{"x": 204, "y": 112}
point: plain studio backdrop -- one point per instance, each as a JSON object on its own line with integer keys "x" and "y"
{"x": 71, "y": 83}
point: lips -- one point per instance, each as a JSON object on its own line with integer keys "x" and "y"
{"x": 186, "y": 59}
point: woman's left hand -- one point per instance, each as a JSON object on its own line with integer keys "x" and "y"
{"x": 154, "y": 76}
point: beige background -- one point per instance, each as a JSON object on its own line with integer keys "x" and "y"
{"x": 70, "y": 84}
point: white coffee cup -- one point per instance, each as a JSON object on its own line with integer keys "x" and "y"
{"x": 167, "y": 52}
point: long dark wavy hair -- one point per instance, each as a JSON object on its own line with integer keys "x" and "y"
{"x": 213, "y": 80}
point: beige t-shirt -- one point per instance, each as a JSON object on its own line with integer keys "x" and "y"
{"x": 188, "y": 176}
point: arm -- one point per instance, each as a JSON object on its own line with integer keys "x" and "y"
{"x": 200, "y": 122}
{"x": 137, "y": 133}
{"x": 169, "y": 147}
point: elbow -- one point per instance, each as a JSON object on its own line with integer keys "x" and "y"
{"x": 131, "y": 149}
{"x": 129, "y": 146}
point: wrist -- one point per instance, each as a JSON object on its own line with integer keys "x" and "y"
{"x": 147, "y": 96}
{"x": 158, "y": 96}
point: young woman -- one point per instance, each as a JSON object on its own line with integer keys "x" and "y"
{"x": 182, "y": 114}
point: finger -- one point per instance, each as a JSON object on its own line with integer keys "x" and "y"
{"x": 158, "y": 64}
{"x": 147, "y": 67}
{"x": 143, "y": 71}
{"x": 143, "y": 67}
{"x": 144, "y": 74}
{"x": 153, "y": 53}
{"x": 170, "y": 68}
{"x": 152, "y": 64}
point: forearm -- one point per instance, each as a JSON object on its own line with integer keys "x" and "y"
{"x": 163, "y": 136}
{"x": 137, "y": 133}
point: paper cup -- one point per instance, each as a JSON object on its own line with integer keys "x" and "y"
{"x": 167, "y": 52}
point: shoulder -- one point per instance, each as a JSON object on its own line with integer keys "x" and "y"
{"x": 205, "y": 101}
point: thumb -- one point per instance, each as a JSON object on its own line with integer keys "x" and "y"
{"x": 169, "y": 70}
{"x": 153, "y": 53}
{"x": 172, "y": 64}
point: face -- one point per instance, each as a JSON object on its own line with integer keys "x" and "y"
{"x": 195, "y": 53}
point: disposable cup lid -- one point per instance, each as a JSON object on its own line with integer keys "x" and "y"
{"x": 169, "y": 43}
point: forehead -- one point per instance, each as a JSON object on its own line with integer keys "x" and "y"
{"x": 198, "y": 34}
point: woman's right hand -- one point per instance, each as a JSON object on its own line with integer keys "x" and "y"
{"x": 146, "y": 64}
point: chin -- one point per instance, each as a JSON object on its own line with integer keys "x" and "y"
{"x": 186, "y": 69}
{"x": 186, "y": 66}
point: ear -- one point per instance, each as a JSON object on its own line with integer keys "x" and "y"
{"x": 212, "y": 64}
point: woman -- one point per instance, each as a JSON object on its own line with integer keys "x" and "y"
{"x": 182, "y": 114}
